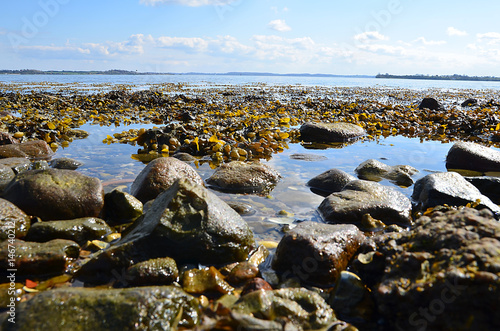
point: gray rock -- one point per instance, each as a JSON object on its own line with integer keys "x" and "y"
{"x": 55, "y": 194}
{"x": 375, "y": 170}
{"x": 78, "y": 308}
{"x": 121, "y": 207}
{"x": 79, "y": 230}
{"x": 330, "y": 181}
{"x": 17, "y": 164}
{"x": 330, "y": 132}
{"x": 430, "y": 103}
{"x": 31, "y": 149}
{"x": 448, "y": 188}
{"x": 316, "y": 253}
{"x": 472, "y": 156}
{"x": 487, "y": 185}
{"x": 12, "y": 221}
{"x": 159, "y": 175}
{"x": 361, "y": 197}
{"x": 469, "y": 102}
{"x": 65, "y": 163}
{"x": 242, "y": 177}
{"x": 161, "y": 271}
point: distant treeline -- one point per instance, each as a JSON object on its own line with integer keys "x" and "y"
{"x": 441, "y": 77}
{"x": 68, "y": 72}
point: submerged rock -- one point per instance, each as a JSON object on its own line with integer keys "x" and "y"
{"x": 330, "y": 181}
{"x": 65, "y": 163}
{"x": 55, "y": 194}
{"x": 31, "y": 149}
{"x": 317, "y": 253}
{"x": 472, "y": 156}
{"x": 375, "y": 171}
{"x": 330, "y": 132}
{"x": 13, "y": 221}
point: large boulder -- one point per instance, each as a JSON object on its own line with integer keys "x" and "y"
{"x": 316, "y": 252}
{"x": 375, "y": 170}
{"x": 430, "y": 103}
{"x": 78, "y": 308}
{"x": 14, "y": 223}
{"x": 360, "y": 197}
{"x": 159, "y": 175}
{"x": 330, "y": 181}
{"x": 54, "y": 194}
{"x": 449, "y": 188}
{"x": 472, "y": 156}
{"x": 243, "y": 177}
{"x": 487, "y": 185}
{"x": 330, "y": 132}
{"x": 38, "y": 149}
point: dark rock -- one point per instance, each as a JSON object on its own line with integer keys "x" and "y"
{"x": 489, "y": 186}
{"x": 79, "y": 230}
{"x": 443, "y": 274}
{"x": 55, "y": 194}
{"x": 244, "y": 209}
{"x": 330, "y": 132}
{"x": 65, "y": 163}
{"x": 12, "y": 221}
{"x": 184, "y": 157}
{"x": 38, "y": 258}
{"x": 330, "y": 181}
{"x": 448, "y": 188}
{"x": 360, "y": 197}
{"x": 472, "y": 156}
{"x": 77, "y": 308}
{"x": 469, "y": 102}
{"x": 159, "y": 175}
{"x": 375, "y": 171}
{"x": 256, "y": 284}
{"x": 161, "y": 271}
{"x": 31, "y": 149}
{"x": 308, "y": 157}
{"x": 17, "y": 164}
{"x": 121, "y": 207}
{"x": 430, "y": 103}
{"x": 242, "y": 272}
{"x": 316, "y": 252}
{"x": 7, "y": 139}
{"x": 242, "y": 177}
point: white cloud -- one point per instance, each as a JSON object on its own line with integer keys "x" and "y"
{"x": 279, "y": 25}
{"x": 451, "y": 31}
{"x": 198, "y": 44}
{"x": 370, "y": 36}
{"x": 426, "y": 42}
{"x": 491, "y": 38}
{"x": 190, "y": 3}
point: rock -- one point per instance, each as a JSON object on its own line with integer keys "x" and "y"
{"x": 13, "y": 221}
{"x": 316, "y": 253}
{"x": 6, "y": 175}
{"x": 17, "y": 164}
{"x": 38, "y": 258}
{"x": 121, "y": 207}
{"x": 30, "y": 149}
{"x": 161, "y": 271}
{"x": 330, "y": 181}
{"x": 65, "y": 163}
{"x": 469, "y": 102}
{"x": 489, "y": 186}
{"x": 199, "y": 281}
{"x": 244, "y": 209}
{"x": 361, "y": 197}
{"x": 78, "y": 308}
{"x": 375, "y": 170}
{"x": 184, "y": 157}
{"x": 430, "y": 103}
{"x": 79, "y": 230}
{"x": 308, "y": 157}
{"x": 472, "y": 156}
{"x": 443, "y": 274}
{"x": 55, "y": 194}
{"x": 242, "y": 177}
{"x": 305, "y": 309}
{"x": 256, "y": 284}
{"x": 242, "y": 272}
{"x": 7, "y": 139}
{"x": 159, "y": 175}
{"x": 330, "y": 132}
{"x": 448, "y": 188}
{"x": 39, "y": 165}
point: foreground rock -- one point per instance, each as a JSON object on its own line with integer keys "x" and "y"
{"x": 13, "y": 221}
{"x": 159, "y": 175}
{"x": 449, "y": 188}
{"x": 444, "y": 274}
{"x": 472, "y": 156}
{"x": 330, "y": 132}
{"x": 242, "y": 177}
{"x": 55, "y": 194}
{"x": 487, "y": 185}
{"x": 317, "y": 253}
{"x": 362, "y": 197}
{"x": 143, "y": 308}
{"x": 330, "y": 181}
{"x": 375, "y": 171}
{"x": 32, "y": 149}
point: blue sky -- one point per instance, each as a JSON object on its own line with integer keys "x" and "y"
{"x": 334, "y": 37}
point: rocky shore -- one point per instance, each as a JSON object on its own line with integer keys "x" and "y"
{"x": 168, "y": 253}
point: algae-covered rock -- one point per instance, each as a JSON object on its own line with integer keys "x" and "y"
{"x": 121, "y": 207}
{"x": 205, "y": 280}
{"x": 161, "y": 271}
{"x": 54, "y": 194}
{"x": 13, "y": 221}
{"x": 142, "y": 308}
{"x": 31, "y": 149}
{"x": 330, "y": 132}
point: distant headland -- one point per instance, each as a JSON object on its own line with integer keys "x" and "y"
{"x": 441, "y": 77}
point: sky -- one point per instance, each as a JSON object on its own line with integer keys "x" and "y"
{"x": 216, "y": 36}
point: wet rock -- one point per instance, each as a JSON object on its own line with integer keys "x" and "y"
{"x": 17, "y": 164}
{"x": 308, "y": 157}
{"x": 489, "y": 186}
{"x": 121, "y": 207}
{"x": 7, "y": 139}
{"x": 184, "y": 157}
{"x": 55, "y": 194}
{"x": 244, "y": 209}
{"x": 31, "y": 258}
{"x": 39, "y": 165}
{"x": 443, "y": 274}
{"x": 159, "y": 175}
{"x": 77, "y": 308}
{"x": 362, "y": 197}
{"x": 242, "y": 177}
{"x": 200, "y": 281}
{"x": 316, "y": 252}
{"x": 472, "y": 156}
{"x": 161, "y": 271}
{"x": 330, "y": 181}
{"x": 448, "y": 188}
{"x": 13, "y": 221}
{"x": 375, "y": 170}
{"x": 469, "y": 102}
{"x": 430, "y": 103}
{"x": 79, "y": 230}
{"x": 330, "y": 132}
{"x": 6, "y": 175}
{"x": 242, "y": 272}
{"x": 30, "y": 149}
{"x": 65, "y": 163}
{"x": 256, "y": 284}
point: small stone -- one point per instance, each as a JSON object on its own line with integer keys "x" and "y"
{"x": 12, "y": 221}
{"x": 256, "y": 284}
{"x": 330, "y": 132}
{"x": 65, "y": 163}
{"x": 161, "y": 271}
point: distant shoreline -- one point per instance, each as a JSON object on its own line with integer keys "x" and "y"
{"x": 441, "y": 77}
